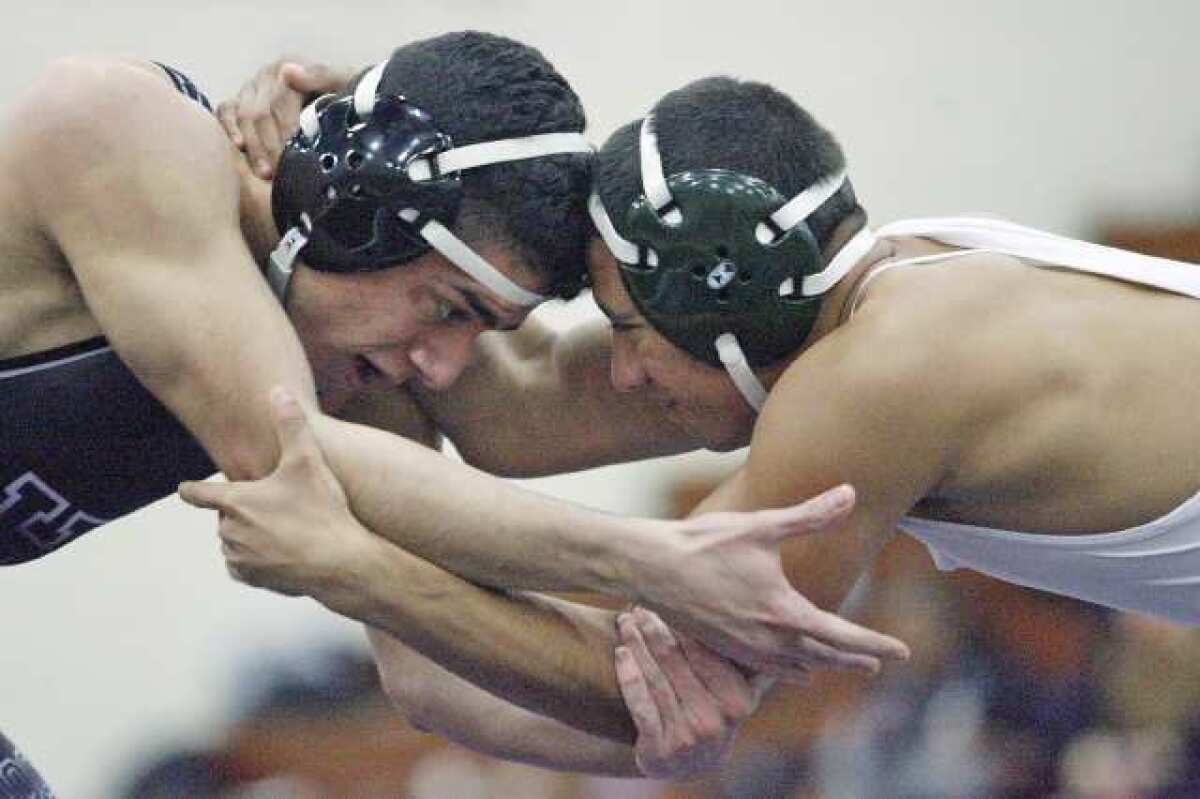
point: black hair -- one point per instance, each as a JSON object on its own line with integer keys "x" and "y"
{"x": 742, "y": 126}
{"x": 481, "y": 87}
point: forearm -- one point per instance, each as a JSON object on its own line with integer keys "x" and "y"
{"x": 437, "y": 701}
{"x": 548, "y": 656}
{"x": 484, "y": 529}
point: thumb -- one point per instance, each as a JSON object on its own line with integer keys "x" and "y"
{"x": 812, "y": 516}
{"x": 210, "y": 496}
{"x": 295, "y": 437}
{"x": 308, "y": 78}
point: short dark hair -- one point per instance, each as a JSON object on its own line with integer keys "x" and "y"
{"x": 742, "y": 126}
{"x": 482, "y": 87}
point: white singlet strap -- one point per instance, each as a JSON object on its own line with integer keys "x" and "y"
{"x": 735, "y": 363}
{"x": 623, "y": 250}
{"x": 476, "y": 266}
{"x": 368, "y": 87}
{"x": 1036, "y": 245}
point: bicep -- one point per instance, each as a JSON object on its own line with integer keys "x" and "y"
{"x": 205, "y": 338}
{"x": 149, "y": 222}
{"x": 807, "y": 442}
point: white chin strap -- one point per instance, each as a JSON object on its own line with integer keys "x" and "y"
{"x": 280, "y": 265}
{"x": 790, "y": 214}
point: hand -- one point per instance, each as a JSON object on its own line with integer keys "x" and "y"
{"x": 686, "y": 701}
{"x": 261, "y": 119}
{"x": 291, "y": 532}
{"x": 727, "y": 588}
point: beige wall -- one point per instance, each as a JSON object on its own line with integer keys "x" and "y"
{"x": 1058, "y": 114}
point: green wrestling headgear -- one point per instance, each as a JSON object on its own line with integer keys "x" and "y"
{"x": 723, "y": 265}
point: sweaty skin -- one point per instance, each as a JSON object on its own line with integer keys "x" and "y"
{"x": 938, "y": 400}
{"x": 127, "y": 213}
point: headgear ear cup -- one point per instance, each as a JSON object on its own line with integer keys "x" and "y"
{"x": 713, "y": 274}
{"x": 723, "y": 265}
{"x": 370, "y": 182}
{"x": 353, "y": 181}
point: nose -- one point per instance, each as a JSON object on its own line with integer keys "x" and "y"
{"x": 441, "y": 359}
{"x": 627, "y": 373}
{"x": 394, "y": 363}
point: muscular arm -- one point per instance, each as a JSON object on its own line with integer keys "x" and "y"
{"x": 438, "y": 701}
{"x": 143, "y": 202}
{"x": 140, "y": 192}
{"x": 843, "y": 415}
{"x": 581, "y": 421}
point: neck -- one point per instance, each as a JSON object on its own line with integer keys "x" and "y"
{"x": 835, "y": 306}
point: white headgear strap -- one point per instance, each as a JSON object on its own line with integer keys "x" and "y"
{"x": 790, "y": 214}
{"x": 455, "y": 159}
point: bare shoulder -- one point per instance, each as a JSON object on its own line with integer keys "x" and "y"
{"x": 94, "y": 128}
{"x": 883, "y": 401}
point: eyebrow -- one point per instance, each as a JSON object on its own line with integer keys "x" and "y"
{"x": 489, "y": 317}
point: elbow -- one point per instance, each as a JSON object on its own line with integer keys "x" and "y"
{"x": 409, "y": 692}
{"x": 243, "y": 461}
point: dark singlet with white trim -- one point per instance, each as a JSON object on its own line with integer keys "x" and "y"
{"x": 82, "y": 442}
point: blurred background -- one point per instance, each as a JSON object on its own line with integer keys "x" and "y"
{"x": 132, "y": 666}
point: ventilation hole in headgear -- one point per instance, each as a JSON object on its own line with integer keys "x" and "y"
{"x": 354, "y": 159}
{"x": 328, "y": 162}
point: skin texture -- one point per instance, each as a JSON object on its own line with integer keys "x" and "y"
{"x": 985, "y": 390}
{"x": 133, "y": 217}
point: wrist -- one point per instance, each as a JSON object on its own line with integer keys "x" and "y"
{"x": 345, "y": 583}
{"x": 631, "y": 560}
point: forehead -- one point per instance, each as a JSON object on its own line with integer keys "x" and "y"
{"x": 607, "y": 285}
{"x": 508, "y": 263}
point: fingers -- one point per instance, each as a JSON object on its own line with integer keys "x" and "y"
{"x": 636, "y": 693}
{"x": 737, "y": 696}
{"x": 227, "y": 115}
{"x": 661, "y": 691}
{"x": 847, "y": 636}
{"x": 309, "y": 78}
{"x": 210, "y": 496}
{"x": 265, "y": 143}
{"x": 694, "y": 699}
{"x": 812, "y": 516}
{"x": 296, "y": 439}
{"x": 817, "y": 655}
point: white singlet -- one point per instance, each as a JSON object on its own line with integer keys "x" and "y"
{"x": 1153, "y": 568}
